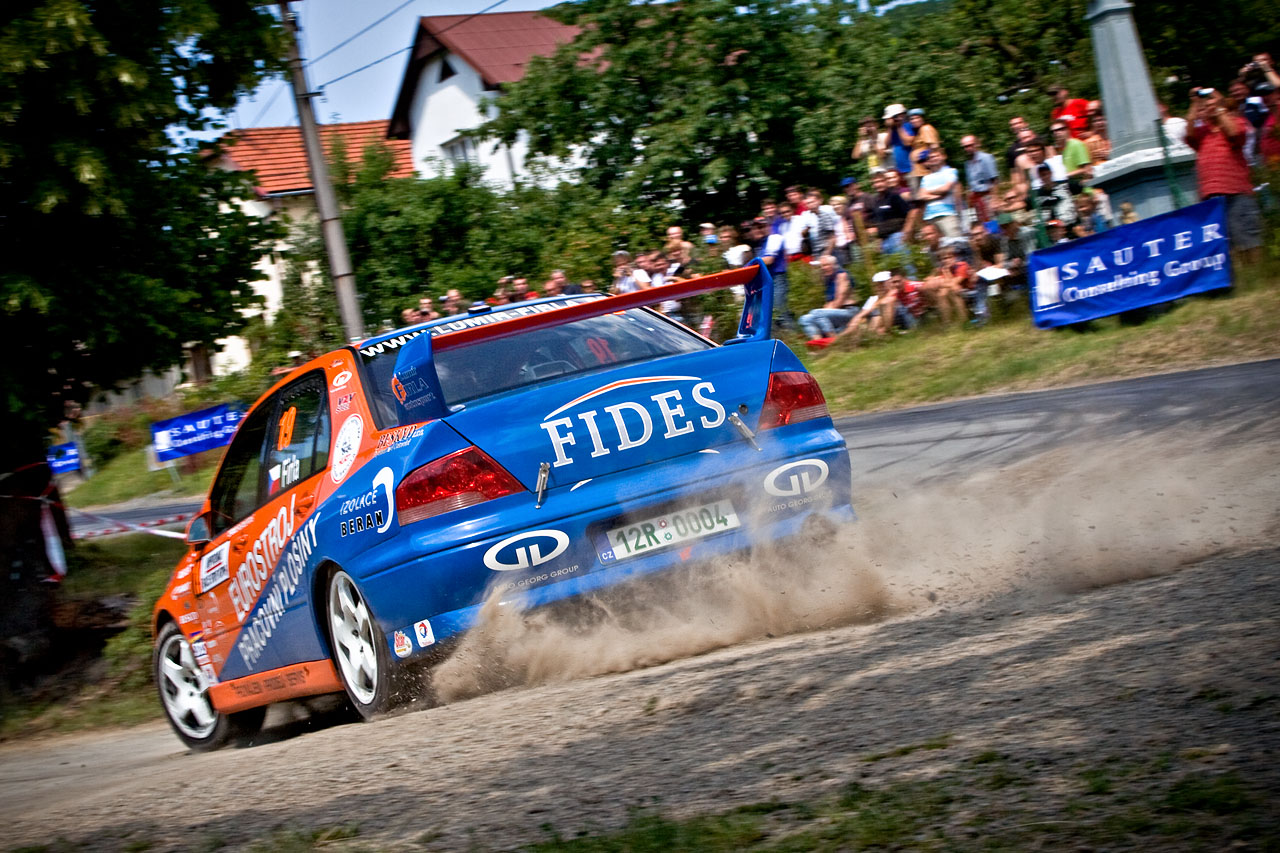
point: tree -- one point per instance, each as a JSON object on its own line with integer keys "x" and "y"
{"x": 1200, "y": 45}
{"x": 413, "y": 236}
{"x": 121, "y": 246}
{"x": 701, "y": 107}
{"x": 689, "y": 105}
{"x": 705, "y": 106}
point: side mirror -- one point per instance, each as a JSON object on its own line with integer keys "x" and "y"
{"x": 198, "y": 531}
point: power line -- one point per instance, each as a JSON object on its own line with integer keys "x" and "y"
{"x": 488, "y": 8}
{"x": 364, "y": 67}
{"x": 367, "y": 66}
{"x": 268, "y": 105}
{"x": 352, "y": 38}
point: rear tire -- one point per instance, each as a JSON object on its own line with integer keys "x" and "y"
{"x": 359, "y": 651}
{"x": 184, "y": 695}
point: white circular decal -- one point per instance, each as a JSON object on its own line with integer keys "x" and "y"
{"x": 346, "y": 447}
{"x": 528, "y": 551}
{"x": 803, "y": 477}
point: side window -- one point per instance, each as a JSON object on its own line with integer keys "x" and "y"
{"x": 237, "y": 491}
{"x": 298, "y": 445}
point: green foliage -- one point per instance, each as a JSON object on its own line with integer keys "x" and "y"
{"x": 307, "y": 321}
{"x": 1225, "y": 794}
{"x": 244, "y": 386}
{"x": 126, "y": 477}
{"x": 1203, "y": 45}
{"x": 703, "y": 107}
{"x": 108, "y": 435}
{"x": 128, "y": 565}
{"x": 933, "y": 364}
{"x": 121, "y": 247}
{"x": 294, "y": 840}
{"x": 129, "y": 653}
{"x": 414, "y": 236}
{"x": 681, "y": 104}
{"x": 949, "y": 812}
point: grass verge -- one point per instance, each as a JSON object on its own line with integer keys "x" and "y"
{"x": 125, "y": 565}
{"x": 1161, "y": 805}
{"x": 934, "y": 364}
{"x": 100, "y": 683}
{"x": 126, "y": 477}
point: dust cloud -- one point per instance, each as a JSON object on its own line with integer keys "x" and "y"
{"x": 1048, "y": 526}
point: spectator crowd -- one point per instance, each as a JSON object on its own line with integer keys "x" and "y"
{"x": 946, "y": 229}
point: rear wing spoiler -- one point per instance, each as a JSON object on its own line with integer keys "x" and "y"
{"x": 417, "y": 386}
{"x": 755, "y": 324}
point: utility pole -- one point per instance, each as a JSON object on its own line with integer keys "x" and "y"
{"x": 335, "y": 242}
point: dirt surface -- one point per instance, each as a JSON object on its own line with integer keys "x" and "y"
{"x": 1068, "y": 611}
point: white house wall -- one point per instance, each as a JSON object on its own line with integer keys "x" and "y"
{"x": 443, "y": 109}
{"x": 232, "y": 353}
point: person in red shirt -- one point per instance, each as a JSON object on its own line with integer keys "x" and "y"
{"x": 1269, "y": 133}
{"x": 1217, "y": 132}
{"x": 909, "y": 296}
{"x": 945, "y": 288}
{"x": 1074, "y": 111}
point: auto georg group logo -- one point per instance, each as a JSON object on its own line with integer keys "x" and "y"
{"x": 526, "y": 550}
{"x": 796, "y": 478}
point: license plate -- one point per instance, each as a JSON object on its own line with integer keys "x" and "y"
{"x": 671, "y": 528}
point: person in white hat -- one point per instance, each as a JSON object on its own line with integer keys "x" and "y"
{"x": 877, "y": 312}
{"x": 900, "y": 136}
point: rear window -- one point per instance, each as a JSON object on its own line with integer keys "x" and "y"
{"x": 490, "y": 368}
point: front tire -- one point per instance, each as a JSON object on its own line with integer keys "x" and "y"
{"x": 358, "y": 648}
{"x": 184, "y": 695}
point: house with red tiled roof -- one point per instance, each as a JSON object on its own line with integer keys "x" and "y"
{"x": 277, "y": 160}
{"x": 456, "y": 62}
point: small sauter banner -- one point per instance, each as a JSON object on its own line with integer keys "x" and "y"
{"x": 1158, "y": 259}
{"x": 195, "y": 432}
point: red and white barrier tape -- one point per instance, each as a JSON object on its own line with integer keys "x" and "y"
{"x": 126, "y": 527}
{"x": 117, "y": 526}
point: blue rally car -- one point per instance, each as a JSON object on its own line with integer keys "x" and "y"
{"x": 375, "y": 498}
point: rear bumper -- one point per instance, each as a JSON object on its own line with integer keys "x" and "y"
{"x": 794, "y": 478}
{"x": 721, "y": 545}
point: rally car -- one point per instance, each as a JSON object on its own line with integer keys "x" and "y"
{"x": 373, "y": 500}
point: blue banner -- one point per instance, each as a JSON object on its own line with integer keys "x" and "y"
{"x": 63, "y": 458}
{"x": 195, "y": 432}
{"x": 1158, "y": 259}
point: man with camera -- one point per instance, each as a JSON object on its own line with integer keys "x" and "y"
{"x": 1217, "y": 132}
{"x": 1260, "y": 70}
{"x": 872, "y": 145}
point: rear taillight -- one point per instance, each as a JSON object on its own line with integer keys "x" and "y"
{"x": 794, "y": 396}
{"x": 458, "y": 480}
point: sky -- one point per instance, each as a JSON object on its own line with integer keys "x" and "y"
{"x": 365, "y": 95}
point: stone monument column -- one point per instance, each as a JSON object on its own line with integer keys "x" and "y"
{"x": 1136, "y": 171}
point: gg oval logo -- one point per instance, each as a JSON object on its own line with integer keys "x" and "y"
{"x": 806, "y": 475}
{"x": 526, "y": 550}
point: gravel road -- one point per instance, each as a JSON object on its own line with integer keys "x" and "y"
{"x": 1083, "y": 606}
